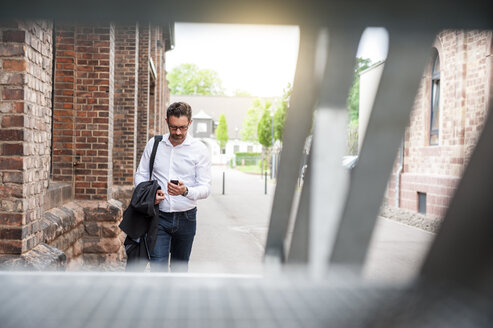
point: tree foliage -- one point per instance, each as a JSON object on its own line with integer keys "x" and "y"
{"x": 353, "y": 106}
{"x": 250, "y": 123}
{"x": 353, "y": 98}
{"x": 189, "y": 79}
{"x": 249, "y": 127}
{"x": 264, "y": 129}
{"x": 280, "y": 114}
{"x": 222, "y": 132}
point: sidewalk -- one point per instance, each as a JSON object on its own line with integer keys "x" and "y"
{"x": 232, "y": 229}
{"x": 396, "y": 251}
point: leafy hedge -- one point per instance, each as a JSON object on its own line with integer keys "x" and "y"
{"x": 247, "y": 158}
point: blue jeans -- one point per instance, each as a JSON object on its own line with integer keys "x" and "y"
{"x": 175, "y": 235}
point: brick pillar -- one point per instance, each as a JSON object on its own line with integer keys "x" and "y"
{"x": 93, "y": 135}
{"x": 165, "y": 98}
{"x": 25, "y": 131}
{"x": 143, "y": 89}
{"x": 64, "y": 114}
{"x": 153, "y": 85}
{"x": 160, "y": 110}
{"x": 126, "y": 80}
{"x": 161, "y": 103}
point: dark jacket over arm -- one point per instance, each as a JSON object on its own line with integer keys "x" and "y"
{"x": 140, "y": 220}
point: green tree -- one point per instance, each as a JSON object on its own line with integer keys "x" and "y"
{"x": 189, "y": 79}
{"x": 249, "y": 126}
{"x": 250, "y": 123}
{"x": 280, "y": 114}
{"x": 353, "y": 107}
{"x": 222, "y": 132}
{"x": 353, "y": 98}
{"x": 264, "y": 134}
{"x": 264, "y": 129}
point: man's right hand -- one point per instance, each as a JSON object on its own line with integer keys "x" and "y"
{"x": 159, "y": 196}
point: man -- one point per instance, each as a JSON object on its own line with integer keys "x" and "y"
{"x": 182, "y": 169}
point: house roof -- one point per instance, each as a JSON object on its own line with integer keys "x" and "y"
{"x": 234, "y": 108}
{"x": 202, "y": 115}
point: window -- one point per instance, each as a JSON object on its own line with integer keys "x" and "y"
{"x": 250, "y": 149}
{"x": 435, "y": 100}
{"x": 237, "y": 149}
{"x": 201, "y": 127}
{"x": 422, "y": 202}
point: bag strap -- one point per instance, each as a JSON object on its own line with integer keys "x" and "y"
{"x": 157, "y": 140}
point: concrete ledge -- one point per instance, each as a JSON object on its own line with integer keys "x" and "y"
{"x": 123, "y": 193}
{"x": 103, "y": 239}
{"x": 41, "y": 258}
{"x": 102, "y": 210}
{"x": 78, "y": 235}
{"x": 58, "y": 193}
{"x": 425, "y": 222}
{"x": 60, "y": 220}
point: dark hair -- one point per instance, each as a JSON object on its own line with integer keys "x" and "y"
{"x": 179, "y": 109}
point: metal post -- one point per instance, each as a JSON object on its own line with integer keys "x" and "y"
{"x": 265, "y": 175}
{"x": 224, "y": 179}
{"x": 262, "y": 166}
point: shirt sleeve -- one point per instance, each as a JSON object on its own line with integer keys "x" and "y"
{"x": 202, "y": 187}
{"x": 142, "y": 173}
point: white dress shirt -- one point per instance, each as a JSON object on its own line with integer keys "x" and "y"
{"x": 188, "y": 162}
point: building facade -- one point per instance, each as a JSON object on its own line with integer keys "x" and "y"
{"x": 78, "y": 103}
{"x": 449, "y": 111}
{"x": 206, "y": 113}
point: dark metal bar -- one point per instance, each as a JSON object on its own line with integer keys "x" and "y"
{"x": 297, "y": 128}
{"x": 298, "y": 249}
{"x": 330, "y": 179}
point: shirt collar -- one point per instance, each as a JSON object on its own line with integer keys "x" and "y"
{"x": 186, "y": 142}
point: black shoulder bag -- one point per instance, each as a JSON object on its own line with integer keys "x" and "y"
{"x": 157, "y": 140}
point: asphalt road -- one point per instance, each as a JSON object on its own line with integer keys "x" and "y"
{"x": 232, "y": 229}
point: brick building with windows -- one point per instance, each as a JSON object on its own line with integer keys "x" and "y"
{"x": 77, "y": 106}
{"x": 448, "y": 116}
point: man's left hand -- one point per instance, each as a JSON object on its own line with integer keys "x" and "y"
{"x": 176, "y": 190}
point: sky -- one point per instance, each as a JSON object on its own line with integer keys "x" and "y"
{"x": 258, "y": 59}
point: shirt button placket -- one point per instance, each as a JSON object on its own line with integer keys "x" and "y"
{"x": 171, "y": 176}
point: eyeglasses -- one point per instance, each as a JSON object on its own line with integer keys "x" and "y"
{"x": 175, "y": 128}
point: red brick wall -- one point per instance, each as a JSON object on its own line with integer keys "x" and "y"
{"x": 25, "y": 130}
{"x": 94, "y": 46}
{"x": 153, "y": 85}
{"x": 161, "y": 88}
{"x": 64, "y": 113}
{"x": 126, "y": 81}
{"x": 158, "y": 105}
{"x": 83, "y": 109}
{"x": 165, "y": 98}
{"x": 143, "y": 89}
{"x": 477, "y": 85}
{"x": 83, "y": 118}
{"x": 465, "y": 77}
{"x": 83, "y": 112}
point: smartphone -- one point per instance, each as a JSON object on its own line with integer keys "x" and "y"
{"x": 174, "y": 181}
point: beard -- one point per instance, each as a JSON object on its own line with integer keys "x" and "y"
{"x": 177, "y": 137}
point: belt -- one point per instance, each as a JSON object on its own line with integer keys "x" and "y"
{"x": 178, "y": 212}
